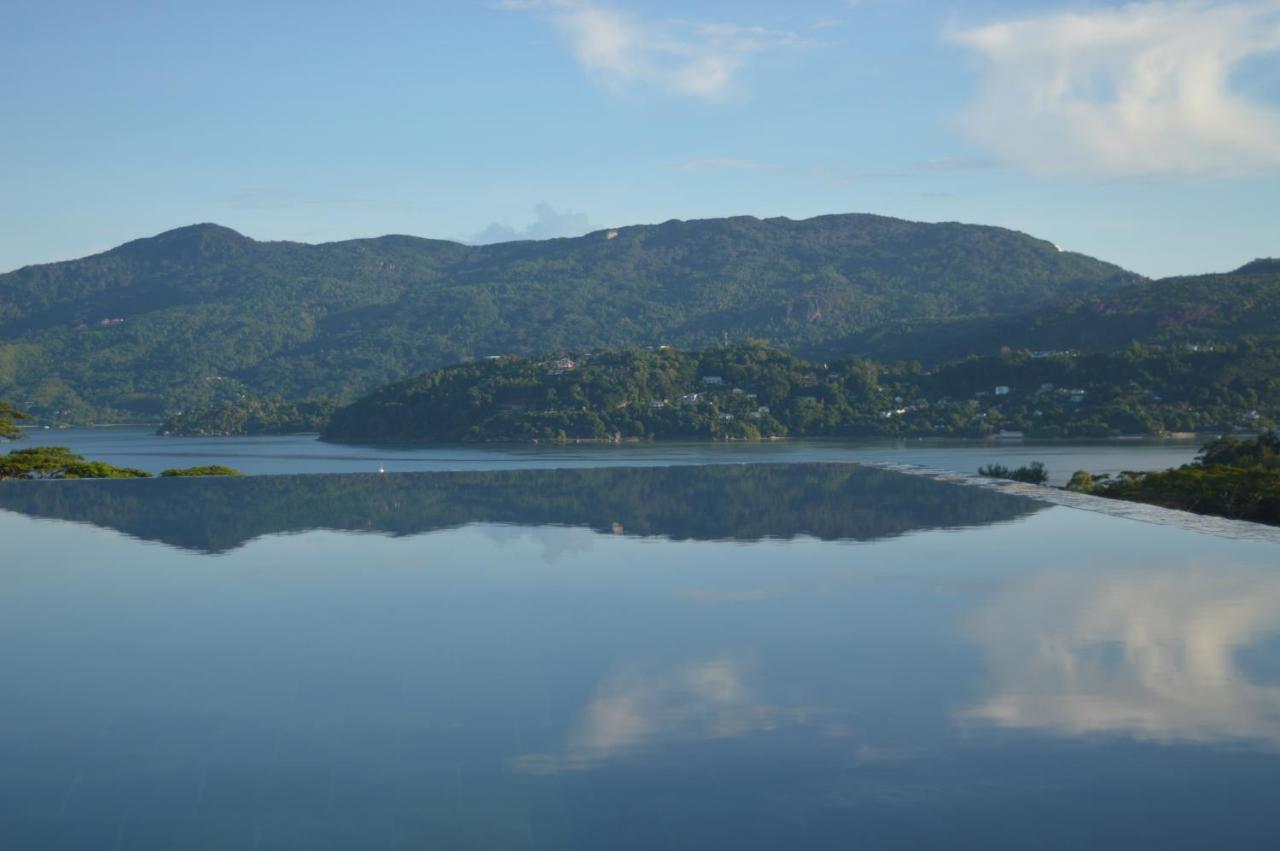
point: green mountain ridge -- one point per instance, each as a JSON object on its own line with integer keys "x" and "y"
{"x": 202, "y": 314}
{"x": 1201, "y": 309}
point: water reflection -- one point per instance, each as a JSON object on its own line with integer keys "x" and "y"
{"x": 1154, "y": 655}
{"x": 740, "y": 502}
{"x": 530, "y": 684}
{"x": 709, "y": 699}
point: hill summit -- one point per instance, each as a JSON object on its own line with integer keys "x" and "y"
{"x": 203, "y": 313}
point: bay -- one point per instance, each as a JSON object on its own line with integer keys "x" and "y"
{"x": 302, "y": 453}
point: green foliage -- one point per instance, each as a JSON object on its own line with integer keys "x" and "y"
{"x": 250, "y": 416}
{"x": 643, "y": 394}
{"x": 1033, "y": 473}
{"x": 747, "y": 391}
{"x": 1223, "y": 491}
{"x": 209, "y": 470}
{"x": 1232, "y": 478}
{"x": 58, "y": 462}
{"x": 8, "y": 421}
{"x": 1188, "y": 311}
{"x": 201, "y": 315}
{"x": 1082, "y": 481}
{"x": 1141, "y": 390}
{"x": 1261, "y": 452}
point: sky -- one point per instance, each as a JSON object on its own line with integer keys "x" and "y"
{"x": 1145, "y": 133}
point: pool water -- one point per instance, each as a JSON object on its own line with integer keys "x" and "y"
{"x": 752, "y": 656}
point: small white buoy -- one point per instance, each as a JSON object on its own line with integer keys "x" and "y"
{"x": 381, "y": 469}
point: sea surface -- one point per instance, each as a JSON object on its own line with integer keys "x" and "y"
{"x": 738, "y": 656}
{"x": 304, "y": 453}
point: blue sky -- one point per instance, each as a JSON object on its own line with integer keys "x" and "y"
{"x": 1145, "y": 133}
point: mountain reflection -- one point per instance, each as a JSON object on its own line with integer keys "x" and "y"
{"x": 1161, "y": 656}
{"x": 741, "y": 502}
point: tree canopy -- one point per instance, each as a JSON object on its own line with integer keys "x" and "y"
{"x": 58, "y": 462}
{"x": 207, "y": 470}
{"x": 753, "y": 391}
{"x": 9, "y": 417}
{"x": 1233, "y": 477}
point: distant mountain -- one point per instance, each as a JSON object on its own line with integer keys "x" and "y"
{"x": 201, "y": 314}
{"x": 1188, "y": 310}
{"x": 1261, "y": 266}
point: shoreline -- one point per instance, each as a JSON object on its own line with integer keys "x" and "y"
{"x": 1179, "y": 437}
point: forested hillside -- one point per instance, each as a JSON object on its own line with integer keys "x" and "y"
{"x": 750, "y": 391}
{"x": 1199, "y": 310}
{"x": 202, "y": 314}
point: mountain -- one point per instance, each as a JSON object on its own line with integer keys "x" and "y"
{"x": 1200, "y": 309}
{"x": 202, "y": 314}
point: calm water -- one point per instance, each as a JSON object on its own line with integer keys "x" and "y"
{"x": 139, "y": 447}
{"x": 815, "y": 656}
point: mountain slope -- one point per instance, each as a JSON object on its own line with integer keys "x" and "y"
{"x": 1185, "y": 310}
{"x": 203, "y": 313}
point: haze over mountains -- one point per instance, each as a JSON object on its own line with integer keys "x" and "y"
{"x": 203, "y": 313}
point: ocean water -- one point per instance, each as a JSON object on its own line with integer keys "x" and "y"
{"x": 140, "y": 447}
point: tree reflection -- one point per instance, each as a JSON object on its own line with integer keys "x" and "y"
{"x": 730, "y": 502}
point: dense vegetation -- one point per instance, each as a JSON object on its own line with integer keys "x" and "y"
{"x": 201, "y": 316}
{"x": 9, "y": 417}
{"x": 1232, "y": 478}
{"x": 1033, "y": 473}
{"x": 1140, "y": 390}
{"x": 207, "y": 470}
{"x": 751, "y": 391}
{"x": 731, "y": 502}
{"x": 57, "y": 462}
{"x": 1202, "y": 310}
{"x": 250, "y": 416}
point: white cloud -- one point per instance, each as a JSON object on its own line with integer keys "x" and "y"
{"x": 621, "y": 51}
{"x": 548, "y": 223}
{"x": 1138, "y": 90}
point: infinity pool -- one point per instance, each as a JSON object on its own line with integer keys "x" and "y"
{"x": 821, "y": 656}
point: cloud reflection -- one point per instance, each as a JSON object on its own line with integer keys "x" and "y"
{"x": 709, "y": 699}
{"x": 1152, "y": 655}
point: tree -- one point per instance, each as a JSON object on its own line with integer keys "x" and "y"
{"x": 1033, "y": 473}
{"x": 208, "y": 470}
{"x": 1081, "y": 482}
{"x": 58, "y": 462}
{"x": 8, "y": 425}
